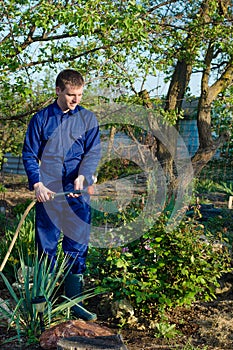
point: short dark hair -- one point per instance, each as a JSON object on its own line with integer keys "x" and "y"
{"x": 69, "y": 76}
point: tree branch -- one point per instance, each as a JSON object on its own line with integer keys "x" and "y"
{"x": 34, "y": 109}
{"x": 225, "y": 80}
{"x": 70, "y": 58}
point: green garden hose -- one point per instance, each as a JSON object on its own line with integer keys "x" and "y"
{"x": 31, "y": 205}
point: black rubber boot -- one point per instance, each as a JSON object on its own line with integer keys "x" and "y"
{"x": 73, "y": 289}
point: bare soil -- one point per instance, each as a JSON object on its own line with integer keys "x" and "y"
{"x": 208, "y": 326}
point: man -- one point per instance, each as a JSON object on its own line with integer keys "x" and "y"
{"x": 61, "y": 152}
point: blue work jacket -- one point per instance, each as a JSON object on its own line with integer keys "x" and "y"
{"x": 60, "y": 146}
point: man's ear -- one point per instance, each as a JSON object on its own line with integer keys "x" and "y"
{"x": 58, "y": 90}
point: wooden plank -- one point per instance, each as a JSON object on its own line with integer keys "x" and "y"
{"x": 230, "y": 202}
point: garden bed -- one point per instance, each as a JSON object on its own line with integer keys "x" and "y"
{"x": 204, "y": 325}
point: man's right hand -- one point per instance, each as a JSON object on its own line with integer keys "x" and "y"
{"x": 43, "y": 194}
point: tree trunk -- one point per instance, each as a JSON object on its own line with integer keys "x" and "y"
{"x": 111, "y": 141}
{"x": 177, "y": 88}
{"x": 150, "y": 138}
{"x": 175, "y": 96}
{"x": 208, "y": 146}
{"x": 176, "y": 92}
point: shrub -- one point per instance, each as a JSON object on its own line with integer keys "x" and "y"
{"x": 162, "y": 269}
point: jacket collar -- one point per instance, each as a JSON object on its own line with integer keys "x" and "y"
{"x": 57, "y": 110}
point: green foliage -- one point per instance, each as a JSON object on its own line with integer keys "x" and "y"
{"x": 11, "y": 136}
{"x": 25, "y": 242}
{"x": 165, "y": 330}
{"x": 2, "y": 223}
{"x": 16, "y": 110}
{"x": 226, "y": 187}
{"x": 205, "y": 186}
{"x": 2, "y": 188}
{"x": 222, "y": 120}
{"x": 94, "y": 36}
{"x": 115, "y": 44}
{"x": 162, "y": 269}
{"x": 19, "y": 208}
{"x": 189, "y": 346}
{"x": 37, "y": 280}
{"x": 171, "y": 117}
{"x": 115, "y": 168}
{"x": 221, "y": 226}
{"x": 208, "y": 186}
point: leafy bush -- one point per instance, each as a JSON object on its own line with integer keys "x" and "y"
{"x": 221, "y": 226}
{"x": 162, "y": 269}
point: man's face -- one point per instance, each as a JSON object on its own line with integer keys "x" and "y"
{"x": 69, "y": 98}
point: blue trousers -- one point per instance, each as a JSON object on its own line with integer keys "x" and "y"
{"x": 72, "y": 217}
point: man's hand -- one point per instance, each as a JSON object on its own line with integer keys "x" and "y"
{"x": 78, "y": 185}
{"x": 91, "y": 189}
{"x": 43, "y": 194}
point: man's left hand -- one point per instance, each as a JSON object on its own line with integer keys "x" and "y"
{"x": 78, "y": 185}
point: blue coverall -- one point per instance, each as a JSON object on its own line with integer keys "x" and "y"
{"x": 57, "y": 148}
